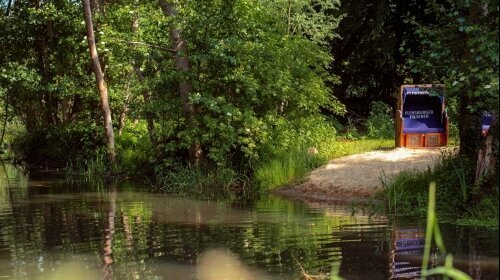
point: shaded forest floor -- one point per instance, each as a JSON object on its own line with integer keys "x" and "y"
{"x": 357, "y": 178}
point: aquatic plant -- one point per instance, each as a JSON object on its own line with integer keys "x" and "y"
{"x": 433, "y": 232}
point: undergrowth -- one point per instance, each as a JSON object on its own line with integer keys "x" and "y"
{"x": 293, "y": 166}
{"x": 202, "y": 182}
{"x": 458, "y": 199}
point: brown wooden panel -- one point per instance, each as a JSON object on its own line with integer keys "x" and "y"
{"x": 414, "y": 140}
{"x": 433, "y": 140}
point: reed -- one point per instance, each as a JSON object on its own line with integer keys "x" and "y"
{"x": 432, "y": 232}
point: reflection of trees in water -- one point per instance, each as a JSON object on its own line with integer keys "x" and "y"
{"x": 109, "y": 231}
{"x": 146, "y": 236}
{"x": 475, "y": 250}
{"x": 364, "y": 251}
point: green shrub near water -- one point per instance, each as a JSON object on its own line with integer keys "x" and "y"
{"x": 57, "y": 146}
{"x": 134, "y": 156}
{"x": 201, "y": 182}
{"x": 457, "y": 197}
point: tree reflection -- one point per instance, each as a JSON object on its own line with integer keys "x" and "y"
{"x": 109, "y": 232}
{"x": 123, "y": 233}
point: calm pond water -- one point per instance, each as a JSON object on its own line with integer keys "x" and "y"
{"x": 51, "y": 229}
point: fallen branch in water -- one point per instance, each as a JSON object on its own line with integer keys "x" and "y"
{"x": 306, "y": 276}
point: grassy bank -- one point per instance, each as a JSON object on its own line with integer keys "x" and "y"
{"x": 458, "y": 199}
{"x": 293, "y": 166}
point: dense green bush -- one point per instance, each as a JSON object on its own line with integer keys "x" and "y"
{"x": 57, "y": 145}
{"x": 380, "y": 122}
{"x": 135, "y": 155}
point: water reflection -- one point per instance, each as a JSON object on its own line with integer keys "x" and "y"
{"x": 114, "y": 231}
{"x": 109, "y": 231}
{"x": 407, "y": 249}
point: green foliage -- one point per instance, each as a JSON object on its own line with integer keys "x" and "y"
{"x": 461, "y": 50}
{"x": 249, "y": 96}
{"x": 135, "y": 151}
{"x": 380, "y": 122}
{"x": 350, "y": 131}
{"x": 405, "y": 192}
{"x": 258, "y": 71}
{"x": 60, "y": 145}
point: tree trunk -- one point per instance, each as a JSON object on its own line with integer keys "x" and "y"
{"x": 472, "y": 145}
{"x": 487, "y": 158}
{"x": 76, "y": 108}
{"x": 124, "y": 112}
{"x": 101, "y": 85}
{"x": 469, "y": 127}
{"x": 9, "y": 5}
{"x": 43, "y": 61}
{"x": 179, "y": 45}
{"x": 469, "y": 122}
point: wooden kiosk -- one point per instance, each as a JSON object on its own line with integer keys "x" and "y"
{"x": 421, "y": 119}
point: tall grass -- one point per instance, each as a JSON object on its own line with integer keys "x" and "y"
{"x": 281, "y": 171}
{"x": 88, "y": 169}
{"x": 293, "y": 166}
{"x": 335, "y": 148}
{"x": 406, "y": 192}
{"x": 202, "y": 182}
{"x": 432, "y": 231}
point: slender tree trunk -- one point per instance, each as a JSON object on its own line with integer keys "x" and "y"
{"x": 43, "y": 60}
{"x": 124, "y": 112}
{"x": 469, "y": 127}
{"x": 9, "y": 5}
{"x": 179, "y": 45}
{"x": 101, "y": 85}
{"x": 5, "y": 118}
{"x": 76, "y": 108}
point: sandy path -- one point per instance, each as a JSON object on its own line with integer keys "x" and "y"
{"x": 357, "y": 177}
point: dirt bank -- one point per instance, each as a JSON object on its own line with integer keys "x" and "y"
{"x": 357, "y": 177}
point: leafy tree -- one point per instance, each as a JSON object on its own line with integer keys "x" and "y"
{"x": 460, "y": 49}
{"x": 257, "y": 73}
{"x": 249, "y": 73}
